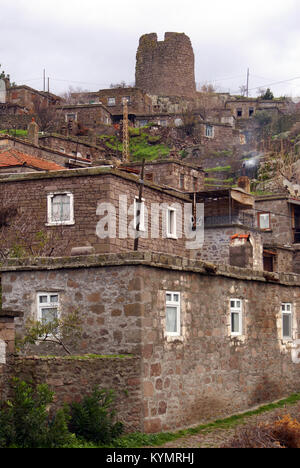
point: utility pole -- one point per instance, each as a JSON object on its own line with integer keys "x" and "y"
{"x": 247, "y": 83}
{"x": 44, "y": 80}
{"x": 125, "y": 131}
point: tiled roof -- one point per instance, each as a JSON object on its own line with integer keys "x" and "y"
{"x": 13, "y": 158}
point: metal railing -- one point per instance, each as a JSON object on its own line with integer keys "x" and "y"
{"x": 242, "y": 218}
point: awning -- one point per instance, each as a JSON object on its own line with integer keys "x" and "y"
{"x": 294, "y": 201}
{"x": 242, "y": 197}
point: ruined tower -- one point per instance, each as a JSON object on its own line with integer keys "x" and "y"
{"x": 166, "y": 68}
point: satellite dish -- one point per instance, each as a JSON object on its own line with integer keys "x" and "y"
{"x": 2, "y": 91}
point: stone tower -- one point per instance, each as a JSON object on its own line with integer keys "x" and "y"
{"x": 166, "y": 68}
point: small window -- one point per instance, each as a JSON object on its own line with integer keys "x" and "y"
{"x": 71, "y": 117}
{"x": 251, "y": 111}
{"x": 139, "y": 214}
{"x": 128, "y": 99}
{"x": 111, "y": 101}
{"x": 181, "y": 181}
{"x": 60, "y": 209}
{"x": 209, "y": 131}
{"x": 173, "y": 314}
{"x": 236, "y": 317}
{"x": 163, "y": 123}
{"x": 287, "y": 315}
{"x": 239, "y": 112}
{"x": 143, "y": 123}
{"x": 264, "y": 221}
{"x": 48, "y": 307}
{"x": 171, "y": 223}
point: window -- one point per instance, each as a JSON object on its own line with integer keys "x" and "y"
{"x": 181, "y": 182}
{"x": 48, "y": 307}
{"x": 236, "y": 317}
{"x": 143, "y": 123}
{"x": 251, "y": 111}
{"x": 163, "y": 123}
{"x": 127, "y": 99}
{"x": 60, "y": 209}
{"x": 139, "y": 214}
{"x": 239, "y": 112}
{"x": 171, "y": 223}
{"x": 173, "y": 314}
{"x": 287, "y": 315}
{"x": 209, "y": 131}
{"x": 71, "y": 117}
{"x": 111, "y": 101}
{"x": 264, "y": 221}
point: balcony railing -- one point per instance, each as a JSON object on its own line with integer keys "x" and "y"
{"x": 242, "y": 218}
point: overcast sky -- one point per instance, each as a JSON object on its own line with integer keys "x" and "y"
{"x": 92, "y": 43}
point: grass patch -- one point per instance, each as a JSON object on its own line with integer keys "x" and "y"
{"x": 138, "y": 440}
{"x": 218, "y": 169}
{"x": 14, "y": 132}
{"x": 88, "y": 357}
{"x": 141, "y": 145}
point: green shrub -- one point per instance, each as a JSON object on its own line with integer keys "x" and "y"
{"x": 25, "y": 422}
{"x": 93, "y": 418}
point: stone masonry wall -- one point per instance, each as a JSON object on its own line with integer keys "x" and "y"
{"x": 72, "y": 379}
{"x": 166, "y": 67}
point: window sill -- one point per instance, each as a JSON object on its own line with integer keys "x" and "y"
{"x": 61, "y": 223}
{"x": 171, "y": 338}
{"x": 169, "y": 236}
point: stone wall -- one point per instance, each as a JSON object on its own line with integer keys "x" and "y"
{"x": 72, "y": 147}
{"x": 166, "y": 67}
{"x": 72, "y": 379}
{"x": 173, "y": 174}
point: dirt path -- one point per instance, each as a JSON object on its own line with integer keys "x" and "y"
{"x": 218, "y": 437}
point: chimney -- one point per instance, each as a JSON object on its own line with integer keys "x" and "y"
{"x": 33, "y": 133}
{"x": 244, "y": 183}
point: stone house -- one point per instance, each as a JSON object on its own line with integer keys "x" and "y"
{"x": 88, "y": 115}
{"x": 278, "y": 218}
{"x": 245, "y": 108}
{"x": 96, "y": 209}
{"x": 180, "y": 360}
{"x": 72, "y": 146}
{"x": 172, "y": 174}
{"x": 60, "y": 156}
{"x": 14, "y": 161}
{"x": 30, "y": 98}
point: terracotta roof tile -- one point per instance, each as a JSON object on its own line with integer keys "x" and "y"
{"x": 14, "y": 158}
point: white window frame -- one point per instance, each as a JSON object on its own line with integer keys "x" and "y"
{"x": 142, "y": 214}
{"x": 111, "y": 101}
{"x": 209, "y": 131}
{"x": 48, "y": 304}
{"x": 177, "y": 304}
{"x": 287, "y": 309}
{"x": 171, "y": 228}
{"x": 268, "y": 215}
{"x": 235, "y": 309}
{"x": 71, "y": 116}
{"x": 50, "y": 221}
